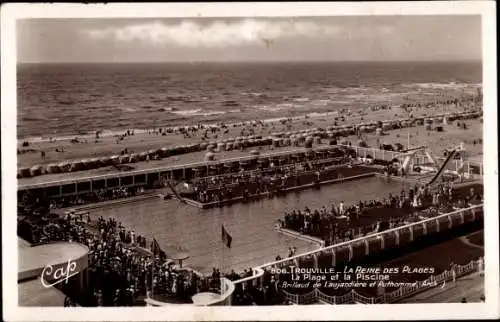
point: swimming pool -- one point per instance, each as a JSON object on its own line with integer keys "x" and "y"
{"x": 251, "y": 225}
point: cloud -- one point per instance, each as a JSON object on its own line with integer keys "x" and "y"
{"x": 214, "y": 35}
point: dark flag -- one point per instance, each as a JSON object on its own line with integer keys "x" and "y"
{"x": 226, "y": 238}
{"x": 156, "y": 249}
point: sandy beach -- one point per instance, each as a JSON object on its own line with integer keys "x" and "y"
{"x": 87, "y": 147}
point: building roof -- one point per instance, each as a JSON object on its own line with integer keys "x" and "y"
{"x": 32, "y": 260}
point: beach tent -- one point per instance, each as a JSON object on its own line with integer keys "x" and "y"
{"x": 36, "y": 170}
{"x": 185, "y": 149}
{"x": 203, "y": 146}
{"x": 209, "y": 156}
{"x": 229, "y": 146}
{"x": 195, "y": 147}
{"x": 24, "y": 172}
{"x": 379, "y": 131}
{"x": 308, "y": 144}
{"x": 77, "y": 165}
{"x": 86, "y": 164}
{"x": 210, "y": 147}
{"x": 362, "y": 143}
{"x": 114, "y": 159}
{"x": 104, "y": 161}
{"x": 143, "y": 156}
{"x": 134, "y": 157}
{"x": 51, "y": 168}
{"x": 220, "y": 147}
{"x": 276, "y": 143}
{"x": 64, "y": 166}
{"x": 386, "y": 126}
{"x": 152, "y": 153}
{"x": 162, "y": 152}
{"x": 124, "y": 159}
{"x": 95, "y": 163}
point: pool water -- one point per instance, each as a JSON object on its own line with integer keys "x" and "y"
{"x": 198, "y": 231}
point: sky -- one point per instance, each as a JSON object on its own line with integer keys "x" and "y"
{"x": 353, "y": 38}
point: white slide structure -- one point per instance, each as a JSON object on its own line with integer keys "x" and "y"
{"x": 441, "y": 170}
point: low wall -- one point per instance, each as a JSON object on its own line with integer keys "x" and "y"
{"x": 400, "y": 294}
{"x": 251, "y": 197}
{"x": 147, "y": 196}
{"x": 446, "y": 221}
{"x": 366, "y": 245}
{"x": 300, "y": 236}
{"x": 385, "y": 155}
{"x": 227, "y": 289}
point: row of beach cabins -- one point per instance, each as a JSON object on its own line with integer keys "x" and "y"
{"x": 305, "y": 138}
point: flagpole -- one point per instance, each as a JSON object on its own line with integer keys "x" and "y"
{"x": 152, "y": 277}
{"x": 222, "y": 263}
{"x": 222, "y": 269}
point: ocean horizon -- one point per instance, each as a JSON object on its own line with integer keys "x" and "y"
{"x": 77, "y": 98}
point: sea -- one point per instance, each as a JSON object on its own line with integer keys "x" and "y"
{"x": 58, "y": 100}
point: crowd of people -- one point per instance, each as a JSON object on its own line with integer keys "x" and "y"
{"x": 340, "y": 221}
{"x": 83, "y": 198}
{"x": 123, "y": 266}
{"x": 253, "y": 183}
{"x": 245, "y": 184}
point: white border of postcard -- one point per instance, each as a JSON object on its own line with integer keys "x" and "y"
{"x": 11, "y": 12}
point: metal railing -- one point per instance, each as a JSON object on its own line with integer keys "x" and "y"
{"x": 351, "y": 297}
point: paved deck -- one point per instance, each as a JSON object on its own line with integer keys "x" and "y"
{"x": 470, "y": 286}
